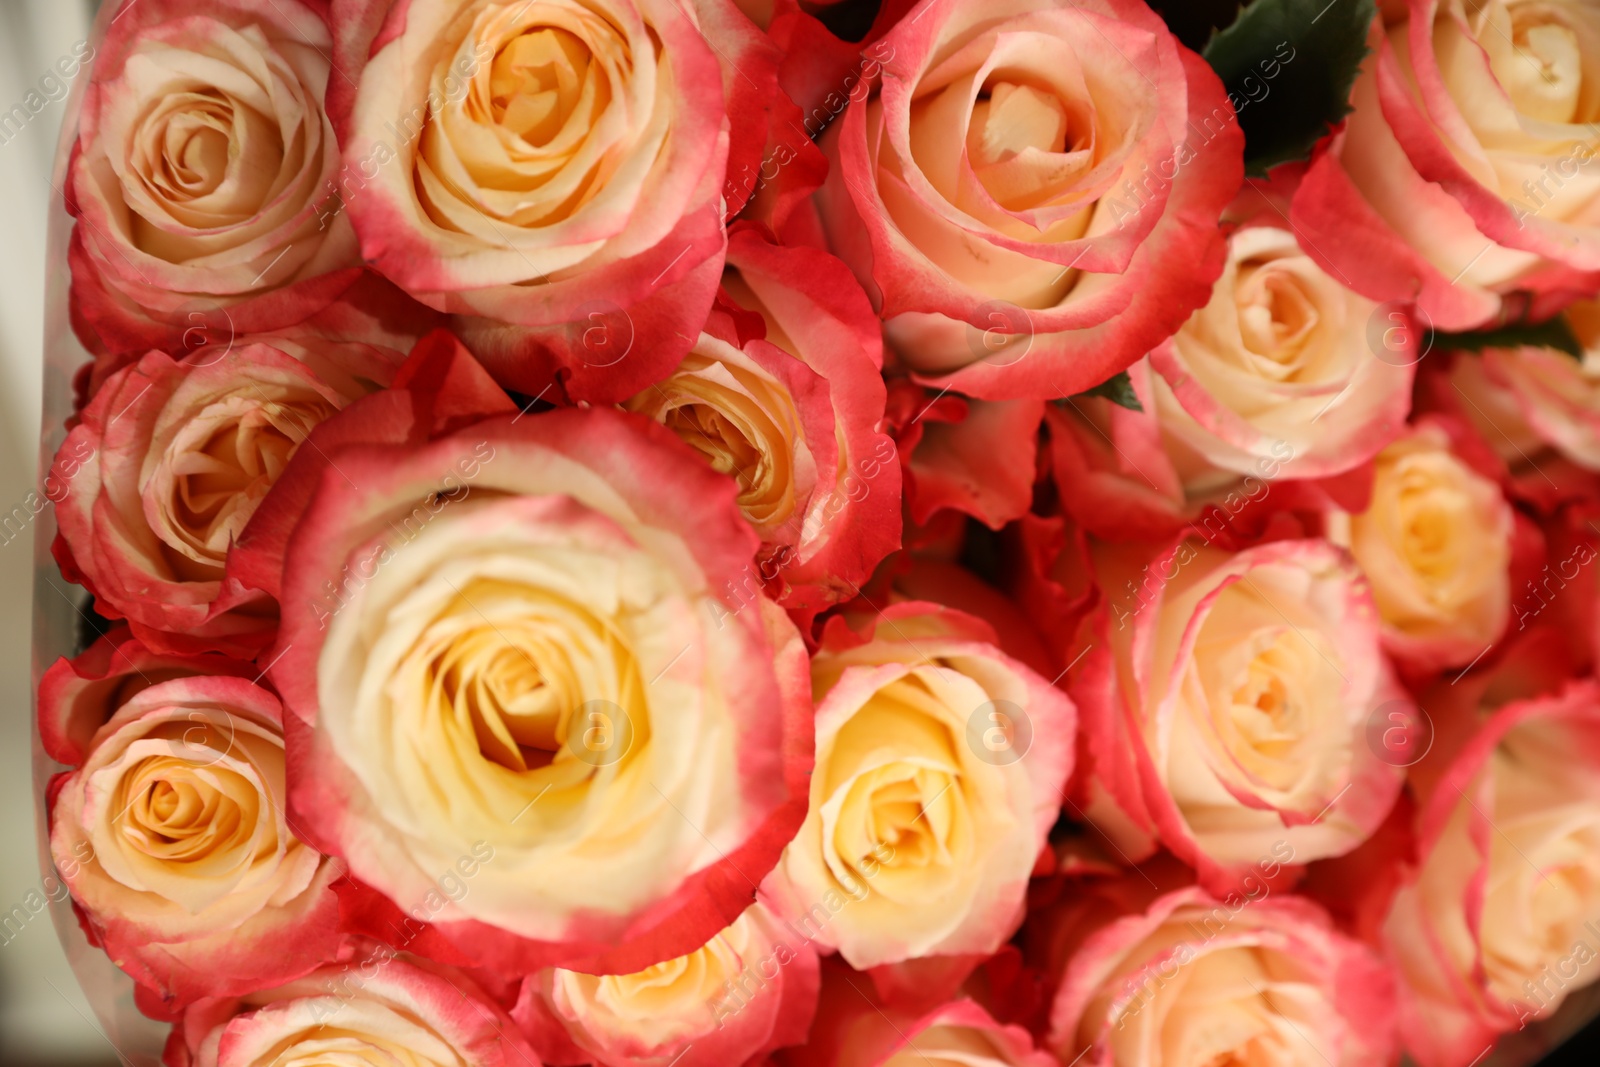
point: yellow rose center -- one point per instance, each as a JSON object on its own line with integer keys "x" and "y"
{"x": 1544, "y": 72}
{"x": 1276, "y": 315}
{"x": 538, "y": 81}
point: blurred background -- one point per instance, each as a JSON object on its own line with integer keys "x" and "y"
{"x": 44, "y": 1019}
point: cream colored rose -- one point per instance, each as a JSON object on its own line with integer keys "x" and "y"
{"x": 1278, "y": 369}
{"x": 939, "y": 766}
{"x": 741, "y": 416}
{"x": 172, "y": 837}
{"x": 751, "y": 988}
{"x": 1226, "y": 696}
{"x": 1498, "y": 923}
{"x": 1194, "y": 982}
{"x": 1524, "y": 400}
{"x": 1435, "y": 544}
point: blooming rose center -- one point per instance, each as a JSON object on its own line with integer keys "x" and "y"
{"x": 1276, "y": 316}
{"x": 220, "y": 464}
{"x": 208, "y": 158}
{"x": 539, "y": 79}
{"x": 1543, "y": 69}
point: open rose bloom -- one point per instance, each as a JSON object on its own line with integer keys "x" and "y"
{"x": 772, "y": 533}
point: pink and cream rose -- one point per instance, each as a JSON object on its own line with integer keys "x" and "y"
{"x": 507, "y": 628}
{"x": 749, "y": 990}
{"x": 1190, "y": 981}
{"x": 374, "y": 1009}
{"x": 940, "y": 762}
{"x": 1435, "y": 544}
{"x": 1225, "y": 697}
{"x": 1030, "y": 193}
{"x": 200, "y": 172}
{"x": 550, "y": 172}
{"x": 1466, "y": 177}
{"x": 168, "y": 464}
{"x": 182, "y": 859}
{"x": 1495, "y": 925}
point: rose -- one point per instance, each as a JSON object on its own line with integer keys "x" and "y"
{"x": 631, "y": 753}
{"x": 179, "y": 455}
{"x": 1190, "y": 981}
{"x": 1279, "y": 365}
{"x": 1031, "y": 193}
{"x": 1225, "y": 698}
{"x": 936, "y": 782}
{"x": 375, "y": 1009}
{"x": 789, "y": 404}
{"x": 750, "y": 989}
{"x": 1435, "y": 544}
{"x": 1465, "y": 174}
{"x": 579, "y": 234}
{"x": 1494, "y": 927}
{"x": 78, "y": 696}
{"x": 179, "y": 852}
{"x": 855, "y": 1028}
{"x": 197, "y": 177}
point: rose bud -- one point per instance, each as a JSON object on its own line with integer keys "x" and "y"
{"x": 508, "y": 631}
{"x": 1423, "y": 196}
{"x": 554, "y": 176}
{"x": 375, "y": 1008}
{"x": 1191, "y": 981}
{"x": 173, "y": 840}
{"x": 1496, "y": 925}
{"x": 168, "y": 465}
{"x": 1279, "y": 367}
{"x": 789, "y": 406}
{"x": 1435, "y": 545}
{"x": 78, "y": 696}
{"x": 939, "y": 767}
{"x": 200, "y": 176}
{"x": 749, "y": 990}
{"x": 1030, "y": 195}
{"x": 1225, "y": 697}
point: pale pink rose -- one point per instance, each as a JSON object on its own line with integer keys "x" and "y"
{"x": 199, "y": 175}
{"x": 168, "y": 464}
{"x": 1191, "y": 980}
{"x": 1465, "y": 179}
{"x": 1280, "y": 367}
{"x": 940, "y": 762}
{"x": 1496, "y": 925}
{"x": 552, "y": 174}
{"x": 1434, "y": 543}
{"x": 749, "y": 990}
{"x": 532, "y": 609}
{"x": 1030, "y": 191}
{"x": 1225, "y": 698}
{"x": 788, "y": 402}
{"x": 173, "y": 839}
{"x": 376, "y": 1007}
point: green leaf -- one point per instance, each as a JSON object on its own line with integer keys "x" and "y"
{"x": 1118, "y": 389}
{"x": 1289, "y": 66}
{"x": 1553, "y": 333}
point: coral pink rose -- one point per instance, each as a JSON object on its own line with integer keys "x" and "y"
{"x": 168, "y": 464}
{"x": 376, "y": 1007}
{"x": 1495, "y": 927}
{"x": 1225, "y": 698}
{"x": 1435, "y": 545}
{"x": 940, "y": 762}
{"x": 1031, "y": 192}
{"x": 749, "y": 990}
{"x": 78, "y": 696}
{"x": 1191, "y": 981}
{"x": 173, "y": 840}
{"x": 553, "y": 174}
{"x": 1465, "y": 175}
{"x": 788, "y": 401}
{"x": 1279, "y": 366}
{"x": 199, "y": 175}
{"x": 509, "y": 631}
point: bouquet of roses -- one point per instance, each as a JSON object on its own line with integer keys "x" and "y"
{"x": 705, "y": 533}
